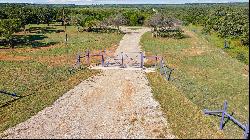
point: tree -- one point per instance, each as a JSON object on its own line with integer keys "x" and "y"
{"x": 2, "y": 14}
{"x": 90, "y": 24}
{"x": 155, "y": 21}
{"x": 164, "y": 26}
{"x": 8, "y": 27}
{"x": 104, "y": 24}
{"x": 47, "y": 15}
{"x": 118, "y": 21}
{"x": 167, "y": 23}
{"x": 158, "y": 21}
{"x": 134, "y": 17}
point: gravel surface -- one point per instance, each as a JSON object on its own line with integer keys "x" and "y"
{"x": 129, "y": 47}
{"x": 115, "y": 104}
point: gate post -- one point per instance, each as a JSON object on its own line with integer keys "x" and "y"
{"x": 223, "y": 114}
{"x": 156, "y": 60}
{"x": 122, "y": 60}
{"x": 161, "y": 66}
{"x": 141, "y": 59}
{"x": 88, "y": 55}
{"x": 102, "y": 61}
{"x": 78, "y": 59}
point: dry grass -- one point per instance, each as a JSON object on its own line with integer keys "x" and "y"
{"x": 41, "y": 74}
{"x": 206, "y": 76}
{"x": 185, "y": 118}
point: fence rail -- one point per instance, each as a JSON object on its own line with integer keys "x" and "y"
{"x": 166, "y": 70}
{"x": 8, "y": 93}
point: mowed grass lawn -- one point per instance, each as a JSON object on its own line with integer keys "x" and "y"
{"x": 204, "y": 77}
{"x": 38, "y": 69}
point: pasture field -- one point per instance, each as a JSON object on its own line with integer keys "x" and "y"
{"x": 235, "y": 50}
{"x": 40, "y": 44}
{"x": 38, "y": 69}
{"x": 204, "y": 77}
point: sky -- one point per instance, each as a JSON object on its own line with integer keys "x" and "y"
{"x": 83, "y": 2}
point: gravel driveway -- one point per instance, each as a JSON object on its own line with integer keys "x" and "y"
{"x": 114, "y": 104}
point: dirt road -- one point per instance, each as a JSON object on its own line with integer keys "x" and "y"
{"x": 115, "y": 104}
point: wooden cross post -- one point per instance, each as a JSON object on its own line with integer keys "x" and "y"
{"x": 223, "y": 114}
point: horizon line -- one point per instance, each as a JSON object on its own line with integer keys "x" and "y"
{"x": 123, "y": 3}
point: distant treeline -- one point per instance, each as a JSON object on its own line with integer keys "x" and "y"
{"x": 46, "y": 14}
{"x": 245, "y": 4}
{"x": 229, "y": 20}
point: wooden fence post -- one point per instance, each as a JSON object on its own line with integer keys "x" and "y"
{"x": 102, "y": 60}
{"x": 88, "y": 57}
{"x": 122, "y": 60}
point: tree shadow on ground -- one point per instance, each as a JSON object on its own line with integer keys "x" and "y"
{"x": 101, "y": 30}
{"x": 20, "y": 41}
{"x": 44, "y": 30}
{"x": 174, "y": 36}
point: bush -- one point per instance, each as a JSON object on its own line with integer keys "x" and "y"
{"x": 171, "y": 33}
{"x": 240, "y": 56}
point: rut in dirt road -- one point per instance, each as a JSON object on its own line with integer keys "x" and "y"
{"x": 114, "y": 104}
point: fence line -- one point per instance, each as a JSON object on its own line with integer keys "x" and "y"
{"x": 166, "y": 70}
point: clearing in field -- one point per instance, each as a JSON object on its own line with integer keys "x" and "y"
{"x": 115, "y": 104}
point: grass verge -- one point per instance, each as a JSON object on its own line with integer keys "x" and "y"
{"x": 205, "y": 75}
{"x": 185, "y": 118}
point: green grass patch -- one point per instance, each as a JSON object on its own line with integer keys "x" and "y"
{"x": 38, "y": 80}
{"x": 185, "y": 118}
{"x": 235, "y": 50}
{"x": 206, "y": 76}
{"x": 38, "y": 85}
